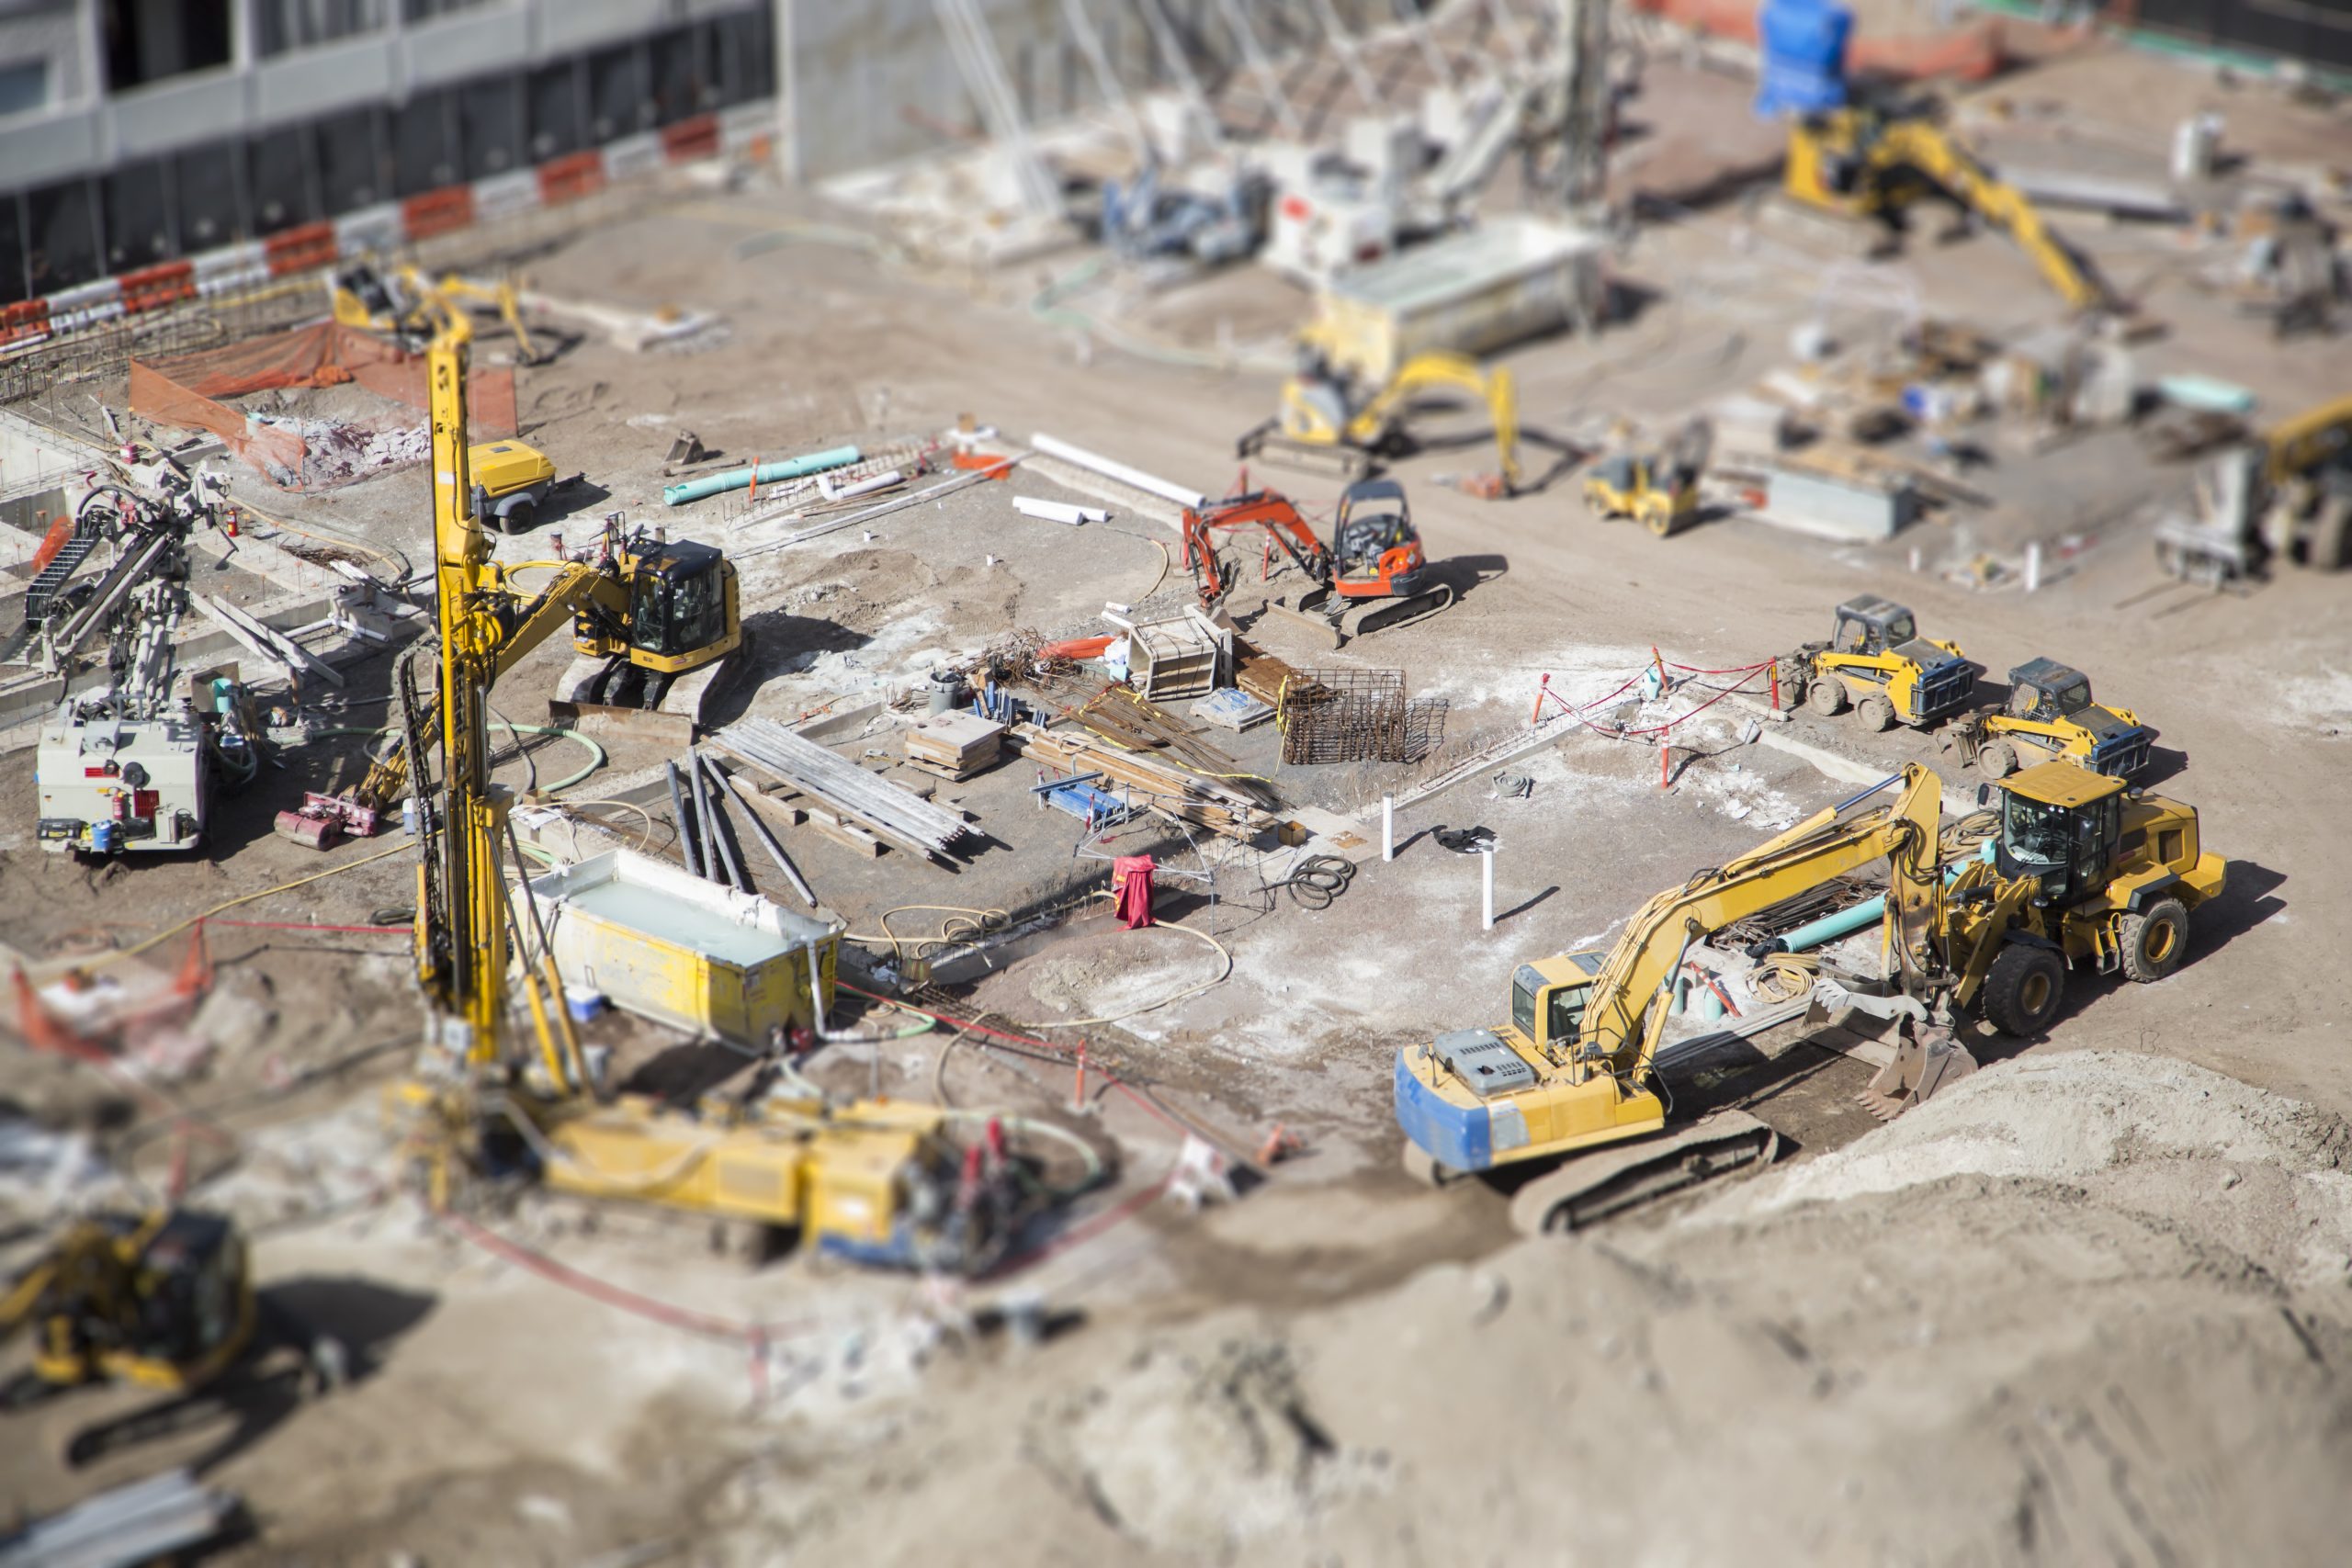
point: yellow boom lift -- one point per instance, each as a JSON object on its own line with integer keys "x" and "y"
{"x": 2079, "y": 871}
{"x": 1329, "y": 413}
{"x": 876, "y": 1180}
{"x": 1870, "y": 163}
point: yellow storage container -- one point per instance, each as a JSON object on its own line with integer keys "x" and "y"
{"x": 671, "y": 947}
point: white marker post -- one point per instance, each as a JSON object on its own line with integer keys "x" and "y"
{"x": 1387, "y": 827}
{"x": 2033, "y": 567}
{"x": 1486, "y": 876}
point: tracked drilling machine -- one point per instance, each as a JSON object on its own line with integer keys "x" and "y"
{"x": 877, "y": 1181}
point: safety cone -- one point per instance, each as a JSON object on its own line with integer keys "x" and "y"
{"x": 195, "y": 976}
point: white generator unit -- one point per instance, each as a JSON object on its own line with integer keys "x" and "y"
{"x": 111, "y": 785}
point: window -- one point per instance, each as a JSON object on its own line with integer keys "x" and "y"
{"x": 742, "y": 56}
{"x": 149, "y": 40}
{"x": 554, "y": 103}
{"x": 1525, "y": 982}
{"x": 286, "y": 25}
{"x": 681, "y": 86}
{"x": 24, "y": 86}
{"x": 138, "y": 217}
{"x": 12, "y": 250}
{"x": 617, "y": 101}
{"x": 2073, "y": 698}
{"x": 281, "y": 190}
{"x": 489, "y": 126}
{"x": 424, "y": 152}
{"x": 1567, "y": 1014}
{"x": 1901, "y": 630}
{"x": 204, "y": 189}
{"x": 2037, "y": 832}
{"x": 62, "y": 242}
{"x": 351, "y": 161}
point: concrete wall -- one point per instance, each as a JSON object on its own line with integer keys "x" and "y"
{"x": 874, "y": 83}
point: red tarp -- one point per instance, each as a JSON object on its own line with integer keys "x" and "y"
{"x": 1131, "y": 888}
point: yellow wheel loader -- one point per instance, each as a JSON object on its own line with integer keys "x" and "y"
{"x": 1329, "y": 418}
{"x": 2077, "y": 872}
{"x": 2049, "y": 713}
{"x": 1877, "y": 663}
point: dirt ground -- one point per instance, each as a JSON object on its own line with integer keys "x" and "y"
{"x": 2089, "y": 1305}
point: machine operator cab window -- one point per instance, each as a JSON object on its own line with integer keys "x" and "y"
{"x": 678, "y": 602}
{"x": 2047, "y": 692}
{"x": 1870, "y": 627}
{"x": 1559, "y": 1003}
{"x": 1373, "y": 519}
{"x": 2061, "y": 823}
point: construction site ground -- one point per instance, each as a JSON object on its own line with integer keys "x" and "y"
{"x": 2093, "y": 1303}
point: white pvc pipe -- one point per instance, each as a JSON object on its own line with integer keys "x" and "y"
{"x": 863, "y": 487}
{"x": 1059, "y": 511}
{"x": 1109, "y": 468}
{"x": 1486, "y": 875}
{"x": 2033, "y": 567}
{"x": 1387, "y": 827}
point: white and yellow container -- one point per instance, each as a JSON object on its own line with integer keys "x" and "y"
{"x": 673, "y": 948}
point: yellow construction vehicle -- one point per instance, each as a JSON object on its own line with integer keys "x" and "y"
{"x": 2076, "y": 871}
{"x": 1876, "y": 662}
{"x": 2286, "y": 498}
{"x": 1658, "y": 490}
{"x": 874, "y": 1181}
{"x": 1329, "y": 412}
{"x": 163, "y": 1300}
{"x": 404, "y": 303}
{"x": 1866, "y": 162}
{"x": 2049, "y": 713}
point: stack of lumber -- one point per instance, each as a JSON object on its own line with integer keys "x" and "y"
{"x": 1260, "y": 675}
{"x": 876, "y": 804}
{"x": 952, "y": 745}
{"x": 1204, "y": 802}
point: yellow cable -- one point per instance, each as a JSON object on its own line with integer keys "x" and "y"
{"x": 1195, "y": 990}
{"x": 983, "y": 922}
{"x": 170, "y": 931}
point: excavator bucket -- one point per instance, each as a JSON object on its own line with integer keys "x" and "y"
{"x": 1927, "y": 1058}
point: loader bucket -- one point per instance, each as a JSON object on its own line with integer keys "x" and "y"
{"x": 1927, "y": 1058}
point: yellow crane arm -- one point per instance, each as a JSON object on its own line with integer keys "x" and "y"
{"x": 1440, "y": 368}
{"x": 574, "y": 586}
{"x": 1622, "y": 1018}
{"x": 1927, "y": 148}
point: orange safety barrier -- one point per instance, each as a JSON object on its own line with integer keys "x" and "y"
{"x": 152, "y": 287}
{"x": 437, "y": 211}
{"x": 305, "y": 249}
{"x": 571, "y": 178}
{"x": 1972, "y": 53}
{"x": 691, "y": 139}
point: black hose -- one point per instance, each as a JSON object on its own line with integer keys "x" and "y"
{"x": 1319, "y": 880}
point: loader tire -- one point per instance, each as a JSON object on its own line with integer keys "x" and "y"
{"x": 2328, "y": 546}
{"x": 2154, "y": 939}
{"x": 1827, "y": 697}
{"x": 1877, "y": 714}
{"x": 1997, "y": 760}
{"x": 2024, "y": 990}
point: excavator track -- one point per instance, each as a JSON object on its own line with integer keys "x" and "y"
{"x": 1387, "y": 614}
{"x": 1341, "y": 462}
{"x": 1591, "y": 1188}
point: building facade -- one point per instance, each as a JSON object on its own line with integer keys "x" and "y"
{"x": 136, "y": 132}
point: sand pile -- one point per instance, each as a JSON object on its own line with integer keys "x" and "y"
{"x": 2084, "y": 1308}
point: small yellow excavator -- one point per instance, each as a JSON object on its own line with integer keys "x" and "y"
{"x": 401, "y": 304}
{"x": 2078, "y": 870}
{"x": 1872, "y": 163}
{"x": 1330, "y": 413}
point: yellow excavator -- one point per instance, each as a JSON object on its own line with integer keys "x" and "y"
{"x": 1874, "y": 162}
{"x": 2078, "y": 870}
{"x": 404, "y": 302}
{"x": 874, "y": 1181}
{"x": 1327, "y": 412}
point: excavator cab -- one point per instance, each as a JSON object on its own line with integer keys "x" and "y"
{"x": 1374, "y": 546}
{"x": 164, "y": 1301}
{"x": 680, "y": 597}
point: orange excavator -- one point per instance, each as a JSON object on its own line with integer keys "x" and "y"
{"x": 1373, "y": 576}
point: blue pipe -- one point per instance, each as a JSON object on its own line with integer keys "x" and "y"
{"x": 769, "y": 473}
{"x": 1845, "y": 923}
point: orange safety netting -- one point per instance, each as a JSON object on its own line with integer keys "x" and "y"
{"x": 182, "y": 391}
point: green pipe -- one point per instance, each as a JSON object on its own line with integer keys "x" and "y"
{"x": 766, "y": 473}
